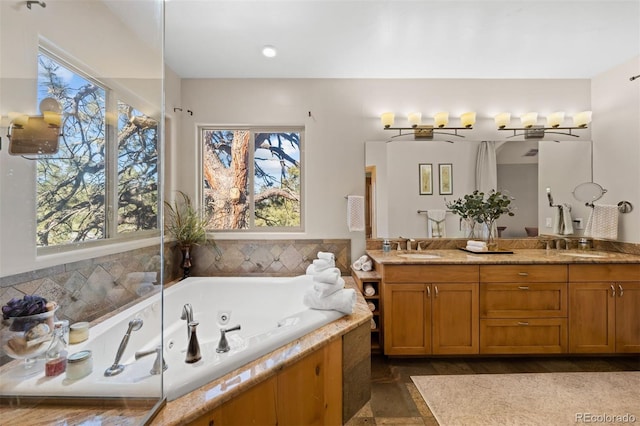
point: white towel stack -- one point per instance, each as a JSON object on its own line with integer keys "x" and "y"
{"x": 473, "y": 245}
{"x": 363, "y": 264}
{"x": 328, "y": 292}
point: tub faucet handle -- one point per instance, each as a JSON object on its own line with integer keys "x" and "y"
{"x": 223, "y": 345}
{"x": 158, "y": 365}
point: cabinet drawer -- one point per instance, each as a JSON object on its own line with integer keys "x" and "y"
{"x": 523, "y": 273}
{"x": 431, "y": 273}
{"x": 526, "y": 300}
{"x": 604, "y": 272}
{"x": 524, "y": 336}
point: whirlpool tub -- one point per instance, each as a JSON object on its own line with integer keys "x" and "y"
{"x": 269, "y": 310}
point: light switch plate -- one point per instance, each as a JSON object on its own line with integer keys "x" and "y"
{"x": 549, "y": 223}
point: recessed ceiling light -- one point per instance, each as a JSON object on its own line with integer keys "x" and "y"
{"x": 269, "y": 51}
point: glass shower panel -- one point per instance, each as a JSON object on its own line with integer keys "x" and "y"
{"x": 81, "y": 83}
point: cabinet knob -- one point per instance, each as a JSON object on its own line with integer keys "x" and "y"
{"x": 436, "y": 288}
{"x": 428, "y": 291}
{"x": 613, "y": 291}
{"x": 621, "y": 290}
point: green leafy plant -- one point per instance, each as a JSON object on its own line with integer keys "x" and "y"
{"x": 185, "y": 223}
{"x": 478, "y": 209}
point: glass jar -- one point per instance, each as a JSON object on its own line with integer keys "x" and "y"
{"x": 79, "y": 365}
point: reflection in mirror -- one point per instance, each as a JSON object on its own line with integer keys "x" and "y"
{"x": 524, "y": 169}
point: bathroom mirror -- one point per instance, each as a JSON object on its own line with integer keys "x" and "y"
{"x": 37, "y": 137}
{"x": 525, "y": 169}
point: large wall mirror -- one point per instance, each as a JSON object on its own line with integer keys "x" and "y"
{"x": 407, "y": 178}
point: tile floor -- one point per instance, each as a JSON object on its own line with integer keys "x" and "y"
{"x": 396, "y": 401}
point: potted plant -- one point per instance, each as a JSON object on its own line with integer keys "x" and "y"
{"x": 483, "y": 210}
{"x": 187, "y": 226}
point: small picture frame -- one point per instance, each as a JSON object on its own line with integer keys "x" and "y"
{"x": 446, "y": 178}
{"x": 425, "y": 178}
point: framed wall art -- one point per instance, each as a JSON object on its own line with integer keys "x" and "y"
{"x": 446, "y": 178}
{"x": 426, "y": 179}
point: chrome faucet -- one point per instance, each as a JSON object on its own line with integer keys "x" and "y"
{"x": 409, "y": 240}
{"x": 567, "y": 243}
{"x": 117, "y": 368}
{"x": 158, "y": 365}
{"x": 193, "y": 349}
{"x": 223, "y": 345}
{"x": 187, "y": 315}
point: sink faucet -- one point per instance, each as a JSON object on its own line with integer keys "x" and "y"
{"x": 223, "y": 345}
{"x": 567, "y": 243}
{"x": 409, "y": 241}
{"x": 187, "y": 314}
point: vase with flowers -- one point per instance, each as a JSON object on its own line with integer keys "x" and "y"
{"x": 484, "y": 211}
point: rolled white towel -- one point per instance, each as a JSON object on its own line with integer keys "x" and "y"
{"x": 328, "y": 276}
{"x": 367, "y": 266}
{"x": 474, "y": 243}
{"x": 321, "y": 264}
{"x": 373, "y": 324}
{"x": 369, "y": 290}
{"x": 357, "y": 265}
{"x": 341, "y": 301}
{"x": 364, "y": 258}
{"x": 372, "y": 306}
{"x": 477, "y": 248}
{"x": 326, "y": 255}
{"x": 324, "y": 289}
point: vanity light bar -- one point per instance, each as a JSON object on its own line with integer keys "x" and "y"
{"x": 420, "y": 131}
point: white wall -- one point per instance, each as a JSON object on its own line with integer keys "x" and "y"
{"x": 90, "y": 36}
{"x": 616, "y": 141}
{"x": 344, "y": 114}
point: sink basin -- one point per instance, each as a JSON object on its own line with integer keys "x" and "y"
{"x": 591, "y": 255}
{"x": 419, "y": 256}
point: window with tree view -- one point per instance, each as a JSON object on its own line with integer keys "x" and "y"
{"x": 252, "y": 178}
{"x": 103, "y": 182}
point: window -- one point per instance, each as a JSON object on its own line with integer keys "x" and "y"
{"x": 103, "y": 182}
{"x": 252, "y": 178}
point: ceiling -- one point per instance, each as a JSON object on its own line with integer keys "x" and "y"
{"x": 400, "y": 39}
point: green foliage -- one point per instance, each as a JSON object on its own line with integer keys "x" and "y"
{"x": 475, "y": 206}
{"x": 184, "y": 222}
{"x": 280, "y": 211}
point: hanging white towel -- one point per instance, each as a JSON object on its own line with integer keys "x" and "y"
{"x": 557, "y": 220}
{"x": 603, "y": 222}
{"x": 355, "y": 213}
{"x": 567, "y": 220}
{"x": 436, "y": 228}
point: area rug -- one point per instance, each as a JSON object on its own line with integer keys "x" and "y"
{"x": 532, "y": 398}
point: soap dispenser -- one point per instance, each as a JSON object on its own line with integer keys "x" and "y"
{"x": 386, "y": 246}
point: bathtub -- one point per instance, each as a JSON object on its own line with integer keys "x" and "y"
{"x": 269, "y": 310}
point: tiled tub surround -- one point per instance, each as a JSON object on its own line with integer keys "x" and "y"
{"x": 352, "y": 329}
{"x": 256, "y": 257}
{"x": 88, "y": 289}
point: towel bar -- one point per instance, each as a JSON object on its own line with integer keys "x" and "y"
{"x": 623, "y": 206}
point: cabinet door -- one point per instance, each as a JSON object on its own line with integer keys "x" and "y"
{"x": 407, "y": 319}
{"x": 455, "y": 318}
{"x": 592, "y": 317}
{"x": 628, "y": 317}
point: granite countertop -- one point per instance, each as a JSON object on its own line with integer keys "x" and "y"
{"x": 519, "y": 256}
{"x": 202, "y": 400}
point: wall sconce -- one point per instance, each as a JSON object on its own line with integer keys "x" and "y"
{"x": 37, "y": 134}
{"x": 420, "y": 131}
{"x": 531, "y": 130}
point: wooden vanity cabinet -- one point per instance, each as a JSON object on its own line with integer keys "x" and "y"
{"x": 604, "y": 308}
{"x": 430, "y": 309}
{"x": 523, "y": 309}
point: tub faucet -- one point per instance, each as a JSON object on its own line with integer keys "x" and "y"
{"x": 223, "y": 345}
{"x": 158, "y": 365}
{"x": 187, "y": 315}
{"x": 193, "y": 349}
